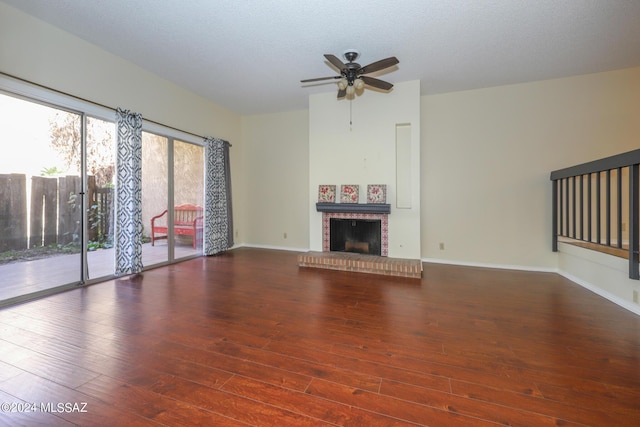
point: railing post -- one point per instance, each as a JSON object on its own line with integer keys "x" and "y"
{"x": 567, "y": 217}
{"x": 599, "y": 206}
{"x": 589, "y": 220}
{"x": 634, "y": 204}
{"x": 554, "y": 221}
{"x": 608, "y": 208}
{"x": 619, "y": 206}
{"x": 581, "y": 207}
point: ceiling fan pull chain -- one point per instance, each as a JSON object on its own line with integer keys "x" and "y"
{"x": 350, "y": 115}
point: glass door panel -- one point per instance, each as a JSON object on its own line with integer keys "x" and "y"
{"x": 155, "y": 174}
{"x": 40, "y": 206}
{"x": 188, "y": 161}
{"x": 100, "y": 166}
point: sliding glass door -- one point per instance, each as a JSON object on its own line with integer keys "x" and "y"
{"x": 40, "y": 197}
{"x": 57, "y": 195}
{"x": 176, "y": 232}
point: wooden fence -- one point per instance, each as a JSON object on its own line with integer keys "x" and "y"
{"x": 53, "y": 211}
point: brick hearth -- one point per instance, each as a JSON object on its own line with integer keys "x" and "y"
{"x": 348, "y": 261}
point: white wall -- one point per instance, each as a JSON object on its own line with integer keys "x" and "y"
{"x": 362, "y": 151}
{"x": 487, "y": 155}
{"x": 276, "y": 156}
{"x": 603, "y": 274}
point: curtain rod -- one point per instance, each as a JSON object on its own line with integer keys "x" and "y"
{"x": 97, "y": 103}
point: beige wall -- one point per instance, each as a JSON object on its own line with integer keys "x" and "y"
{"x": 487, "y": 155}
{"x": 38, "y": 52}
{"x": 276, "y": 159}
{"x": 354, "y": 142}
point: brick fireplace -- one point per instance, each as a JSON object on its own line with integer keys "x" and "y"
{"x": 359, "y": 260}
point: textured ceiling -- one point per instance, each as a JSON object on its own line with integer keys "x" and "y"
{"x": 249, "y": 56}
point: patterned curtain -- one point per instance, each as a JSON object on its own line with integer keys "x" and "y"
{"x": 218, "y": 215}
{"x": 128, "y": 223}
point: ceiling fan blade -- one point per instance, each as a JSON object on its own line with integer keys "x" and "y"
{"x": 335, "y": 62}
{"x": 379, "y": 65}
{"x": 376, "y": 83}
{"x": 319, "y": 78}
{"x": 342, "y": 93}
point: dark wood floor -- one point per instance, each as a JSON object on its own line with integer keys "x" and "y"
{"x": 249, "y": 338}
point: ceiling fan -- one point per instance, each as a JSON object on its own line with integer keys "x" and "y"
{"x": 352, "y": 75}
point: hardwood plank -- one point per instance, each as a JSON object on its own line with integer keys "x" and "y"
{"x": 462, "y": 405}
{"x": 392, "y": 407}
{"x": 150, "y": 405}
{"x": 274, "y": 360}
{"x": 7, "y": 371}
{"x": 21, "y": 413}
{"x": 536, "y": 404}
{"x": 31, "y": 388}
{"x": 622, "y": 405}
{"x": 449, "y": 367}
{"x": 249, "y": 368}
{"x": 227, "y": 404}
{"x": 249, "y": 338}
{"x": 308, "y": 405}
{"x": 56, "y": 370}
{"x": 364, "y": 365}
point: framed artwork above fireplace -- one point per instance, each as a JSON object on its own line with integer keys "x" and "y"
{"x": 327, "y": 193}
{"x": 376, "y": 193}
{"x": 349, "y": 193}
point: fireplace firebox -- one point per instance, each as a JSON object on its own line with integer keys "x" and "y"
{"x": 356, "y": 235}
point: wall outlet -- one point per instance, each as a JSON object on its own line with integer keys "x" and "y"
{"x": 285, "y": 234}
{"x": 623, "y": 226}
{"x": 636, "y": 297}
{"x": 442, "y": 246}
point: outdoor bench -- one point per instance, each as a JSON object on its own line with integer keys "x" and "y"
{"x": 187, "y": 221}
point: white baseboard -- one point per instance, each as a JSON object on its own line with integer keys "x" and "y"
{"x": 485, "y": 265}
{"x": 601, "y": 292}
{"x": 277, "y": 248}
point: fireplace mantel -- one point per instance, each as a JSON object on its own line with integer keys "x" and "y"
{"x": 366, "y": 208}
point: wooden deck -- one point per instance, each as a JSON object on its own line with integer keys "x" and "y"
{"x": 248, "y": 338}
{"x": 28, "y": 277}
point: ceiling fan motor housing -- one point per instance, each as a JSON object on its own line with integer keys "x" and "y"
{"x": 351, "y": 71}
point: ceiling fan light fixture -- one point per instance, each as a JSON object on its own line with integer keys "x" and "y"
{"x": 350, "y": 90}
{"x": 358, "y": 84}
{"x": 342, "y": 84}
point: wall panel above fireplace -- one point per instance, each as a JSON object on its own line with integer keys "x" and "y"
{"x": 363, "y": 151}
